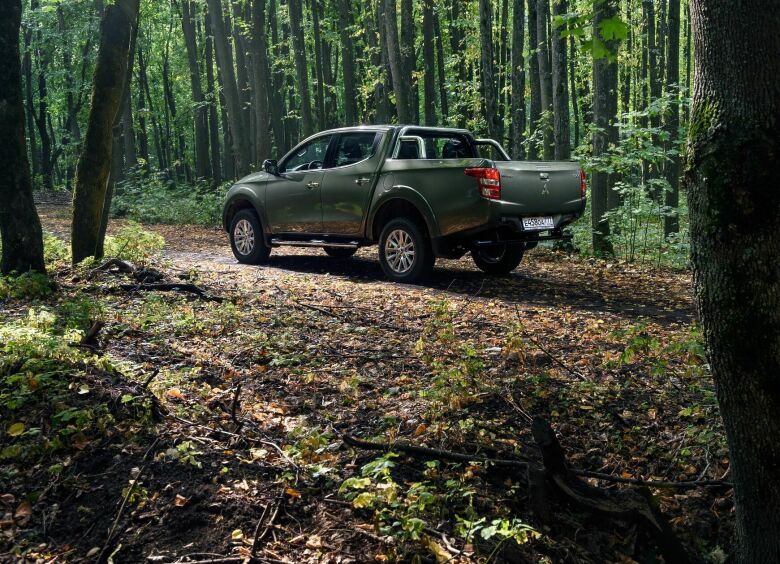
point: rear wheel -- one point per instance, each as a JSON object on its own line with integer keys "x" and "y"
{"x": 246, "y": 238}
{"x": 339, "y": 252}
{"x": 405, "y": 251}
{"x": 498, "y": 260}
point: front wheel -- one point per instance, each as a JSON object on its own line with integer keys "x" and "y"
{"x": 340, "y": 252}
{"x": 405, "y": 251}
{"x": 246, "y": 238}
{"x": 498, "y": 260}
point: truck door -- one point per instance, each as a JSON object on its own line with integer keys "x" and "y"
{"x": 347, "y": 184}
{"x": 294, "y": 198}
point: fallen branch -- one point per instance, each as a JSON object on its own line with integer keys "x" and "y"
{"x": 688, "y": 484}
{"x": 173, "y": 287}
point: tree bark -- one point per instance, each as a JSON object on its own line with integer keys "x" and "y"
{"x": 533, "y": 77}
{"x": 238, "y": 132}
{"x": 301, "y": 65}
{"x": 347, "y": 63}
{"x": 545, "y": 76}
{"x": 94, "y": 166}
{"x": 561, "y": 121}
{"x": 319, "y": 93}
{"x": 429, "y": 63}
{"x": 487, "y": 70}
{"x": 400, "y": 86}
{"x": 202, "y": 168}
{"x": 214, "y": 145}
{"x": 441, "y": 71}
{"x": 20, "y": 229}
{"x": 262, "y": 81}
{"x": 517, "y": 104}
{"x": 734, "y": 204}
{"x": 409, "y": 58}
{"x": 672, "y": 196}
{"x": 604, "y": 110}
{"x": 28, "y": 90}
{"x": 575, "y": 104}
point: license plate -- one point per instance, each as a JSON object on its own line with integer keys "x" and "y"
{"x": 538, "y": 223}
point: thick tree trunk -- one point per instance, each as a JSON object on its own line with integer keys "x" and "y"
{"x": 604, "y": 110}
{"x": 545, "y": 75}
{"x": 400, "y": 85}
{"x": 734, "y": 204}
{"x": 347, "y": 63}
{"x": 561, "y": 121}
{"x": 301, "y": 64}
{"x": 20, "y": 229}
{"x": 385, "y": 82}
{"x": 429, "y": 63}
{"x": 200, "y": 111}
{"x": 517, "y": 113}
{"x": 239, "y": 135}
{"x": 487, "y": 70}
{"x": 672, "y": 196}
{"x": 533, "y": 78}
{"x": 262, "y": 81}
{"x": 92, "y": 172}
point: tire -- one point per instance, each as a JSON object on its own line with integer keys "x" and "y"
{"x": 339, "y": 252}
{"x": 411, "y": 263}
{"x": 498, "y": 260}
{"x": 246, "y": 238}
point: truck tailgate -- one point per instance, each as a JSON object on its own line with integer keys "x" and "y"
{"x": 540, "y": 188}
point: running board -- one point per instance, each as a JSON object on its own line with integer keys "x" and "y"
{"x": 314, "y": 243}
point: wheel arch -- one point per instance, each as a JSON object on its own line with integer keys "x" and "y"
{"x": 409, "y": 205}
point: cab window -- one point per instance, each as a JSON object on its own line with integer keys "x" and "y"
{"x": 444, "y": 145}
{"x": 354, "y": 147}
{"x": 307, "y": 157}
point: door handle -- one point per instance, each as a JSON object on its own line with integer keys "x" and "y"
{"x": 313, "y": 185}
{"x": 362, "y": 180}
{"x": 544, "y": 176}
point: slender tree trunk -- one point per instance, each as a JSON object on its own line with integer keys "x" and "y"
{"x": 239, "y": 55}
{"x": 94, "y": 164}
{"x": 200, "y": 111}
{"x": 143, "y": 135}
{"x": 503, "y": 61}
{"x": 278, "y": 109}
{"x": 533, "y": 77}
{"x": 672, "y": 126}
{"x": 214, "y": 146}
{"x": 441, "y": 70}
{"x": 385, "y": 81}
{"x": 319, "y": 93}
{"x": 238, "y": 131}
{"x": 262, "y": 81}
{"x": 517, "y": 113}
{"x": 400, "y": 85}
{"x": 162, "y": 163}
{"x": 604, "y": 110}
{"x": 575, "y": 103}
{"x": 545, "y": 75}
{"x": 128, "y": 134}
{"x": 28, "y": 89}
{"x": 409, "y": 58}
{"x": 734, "y": 204}
{"x": 429, "y": 63}
{"x": 20, "y": 229}
{"x": 347, "y": 63}
{"x": 487, "y": 70}
{"x": 301, "y": 65}
{"x": 561, "y": 121}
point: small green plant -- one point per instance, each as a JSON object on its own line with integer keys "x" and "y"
{"x": 27, "y": 286}
{"x": 133, "y": 243}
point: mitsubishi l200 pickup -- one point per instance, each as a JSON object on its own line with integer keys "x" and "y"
{"x": 418, "y": 192}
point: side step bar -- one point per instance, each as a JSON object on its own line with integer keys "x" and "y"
{"x": 313, "y": 243}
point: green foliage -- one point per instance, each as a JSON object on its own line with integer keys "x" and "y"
{"x": 133, "y": 243}
{"x": 30, "y": 286}
{"x": 147, "y": 198}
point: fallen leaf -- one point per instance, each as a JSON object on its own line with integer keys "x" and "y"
{"x": 7, "y": 498}
{"x": 83, "y": 389}
{"x": 292, "y": 492}
{"x": 421, "y": 428}
{"x": 180, "y": 501}
{"x": 24, "y": 510}
{"x": 237, "y": 535}
{"x": 175, "y": 393}
{"x": 16, "y": 429}
{"x": 314, "y": 541}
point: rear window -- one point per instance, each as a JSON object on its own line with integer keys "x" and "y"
{"x": 354, "y": 147}
{"x": 443, "y": 145}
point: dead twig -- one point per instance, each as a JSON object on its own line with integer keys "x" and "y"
{"x": 172, "y": 287}
{"x": 689, "y": 484}
{"x": 234, "y": 407}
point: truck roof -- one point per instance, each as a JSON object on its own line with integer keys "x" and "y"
{"x": 386, "y": 127}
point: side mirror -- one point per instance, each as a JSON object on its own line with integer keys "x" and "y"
{"x": 271, "y": 167}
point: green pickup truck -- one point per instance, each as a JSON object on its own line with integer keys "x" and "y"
{"x": 419, "y": 192}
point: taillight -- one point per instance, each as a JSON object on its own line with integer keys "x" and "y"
{"x": 583, "y": 184}
{"x": 489, "y": 181}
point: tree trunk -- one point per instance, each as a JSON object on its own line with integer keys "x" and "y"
{"x": 347, "y": 63}
{"x": 400, "y": 86}
{"x": 239, "y": 26}
{"x": 94, "y": 163}
{"x": 517, "y": 113}
{"x": 441, "y": 71}
{"x": 503, "y": 61}
{"x": 301, "y": 65}
{"x": 408, "y": 58}
{"x": 20, "y": 229}
{"x": 143, "y": 136}
{"x": 545, "y": 75}
{"x": 214, "y": 153}
{"x": 385, "y": 81}
{"x": 319, "y": 93}
{"x": 604, "y": 110}
{"x": 262, "y": 81}
{"x": 575, "y": 104}
{"x": 672, "y": 196}
{"x": 487, "y": 72}
{"x": 561, "y": 125}
{"x": 533, "y": 77}
{"x": 734, "y": 205}
{"x": 238, "y": 132}
{"x": 28, "y": 90}
{"x": 202, "y": 168}
{"x": 429, "y": 63}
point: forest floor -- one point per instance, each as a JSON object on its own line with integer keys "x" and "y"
{"x": 222, "y": 438}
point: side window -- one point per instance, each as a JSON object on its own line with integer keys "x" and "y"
{"x": 354, "y": 147}
{"x": 308, "y": 157}
{"x": 453, "y": 148}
